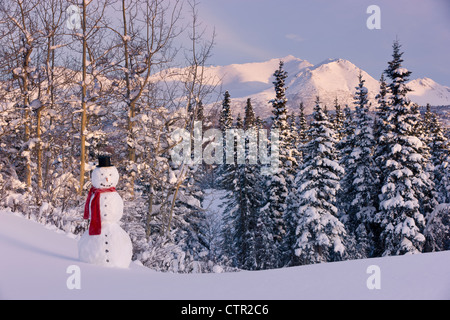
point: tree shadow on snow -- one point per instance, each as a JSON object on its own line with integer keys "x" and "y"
{"x": 35, "y": 249}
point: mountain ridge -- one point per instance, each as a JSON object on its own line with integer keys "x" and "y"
{"x": 330, "y": 79}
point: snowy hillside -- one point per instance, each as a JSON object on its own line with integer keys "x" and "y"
{"x": 35, "y": 261}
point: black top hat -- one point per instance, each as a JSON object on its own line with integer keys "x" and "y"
{"x": 104, "y": 161}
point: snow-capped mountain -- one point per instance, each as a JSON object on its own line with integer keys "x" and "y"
{"x": 425, "y": 90}
{"x": 330, "y": 79}
{"x": 253, "y": 79}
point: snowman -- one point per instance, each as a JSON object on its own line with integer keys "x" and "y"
{"x": 105, "y": 243}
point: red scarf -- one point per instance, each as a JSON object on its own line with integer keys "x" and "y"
{"x": 95, "y": 227}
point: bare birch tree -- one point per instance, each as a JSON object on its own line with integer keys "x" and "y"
{"x": 92, "y": 40}
{"x": 148, "y": 29}
{"x": 20, "y": 38}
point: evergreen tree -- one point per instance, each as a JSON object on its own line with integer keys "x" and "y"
{"x": 437, "y": 231}
{"x": 439, "y": 149}
{"x": 249, "y": 117}
{"x": 348, "y": 128}
{"x": 325, "y": 110}
{"x": 444, "y": 182}
{"x": 242, "y": 206}
{"x": 281, "y": 181}
{"x": 226, "y": 117}
{"x": 360, "y": 180}
{"x": 280, "y": 120}
{"x": 252, "y": 197}
{"x": 294, "y": 137}
{"x": 339, "y": 119}
{"x": 239, "y": 122}
{"x": 383, "y": 125}
{"x": 200, "y": 112}
{"x": 425, "y": 186}
{"x": 225, "y": 172}
{"x": 267, "y": 252}
{"x": 233, "y": 225}
{"x": 383, "y": 132}
{"x": 226, "y": 176}
{"x": 319, "y": 233}
{"x": 402, "y": 166}
{"x": 345, "y": 148}
{"x": 302, "y": 125}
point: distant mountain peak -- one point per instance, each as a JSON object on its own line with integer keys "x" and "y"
{"x": 330, "y": 79}
{"x": 426, "y": 90}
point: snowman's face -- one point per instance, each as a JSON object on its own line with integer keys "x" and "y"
{"x": 105, "y": 177}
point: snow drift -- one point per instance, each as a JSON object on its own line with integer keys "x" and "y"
{"x": 35, "y": 261}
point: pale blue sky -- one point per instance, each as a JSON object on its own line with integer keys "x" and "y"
{"x": 314, "y": 30}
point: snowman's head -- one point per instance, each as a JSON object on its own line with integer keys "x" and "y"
{"x": 105, "y": 176}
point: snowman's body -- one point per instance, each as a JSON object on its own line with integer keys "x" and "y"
{"x": 112, "y": 248}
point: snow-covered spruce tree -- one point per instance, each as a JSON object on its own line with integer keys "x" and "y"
{"x": 439, "y": 148}
{"x": 293, "y": 201}
{"x": 249, "y": 117}
{"x": 225, "y": 172}
{"x": 242, "y": 204}
{"x": 228, "y": 176}
{"x": 302, "y": 125}
{"x": 402, "y": 165}
{"x": 234, "y": 214}
{"x": 425, "y": 187}
{"x": 226, "y": 118}
{"x": 444, "y": 183}
{"x": 383, "y": 133}
{"x": 252, "y": 195}
{"x": 192, "y": 229}
{"x": 320, "y": 236}
{"x": 348, "y": 129}
{"x": 281, "y": 181}
{"x": 437, "y": 231}
{"x": 338, "y": 120}
{"x": 250, "y": 199}
{"x": 288, "y": 151}
{"x": 294, "y": 136}
{"x": 360, "y": 179}
{"x": 383, "y": 126}
{"x": 345, "y": 148}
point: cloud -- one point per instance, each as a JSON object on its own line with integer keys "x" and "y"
{"x": 232, "y": 40}
{"x": 294, "y": 37}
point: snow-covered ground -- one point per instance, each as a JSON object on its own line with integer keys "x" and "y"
{"x": 35, "y": 260}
